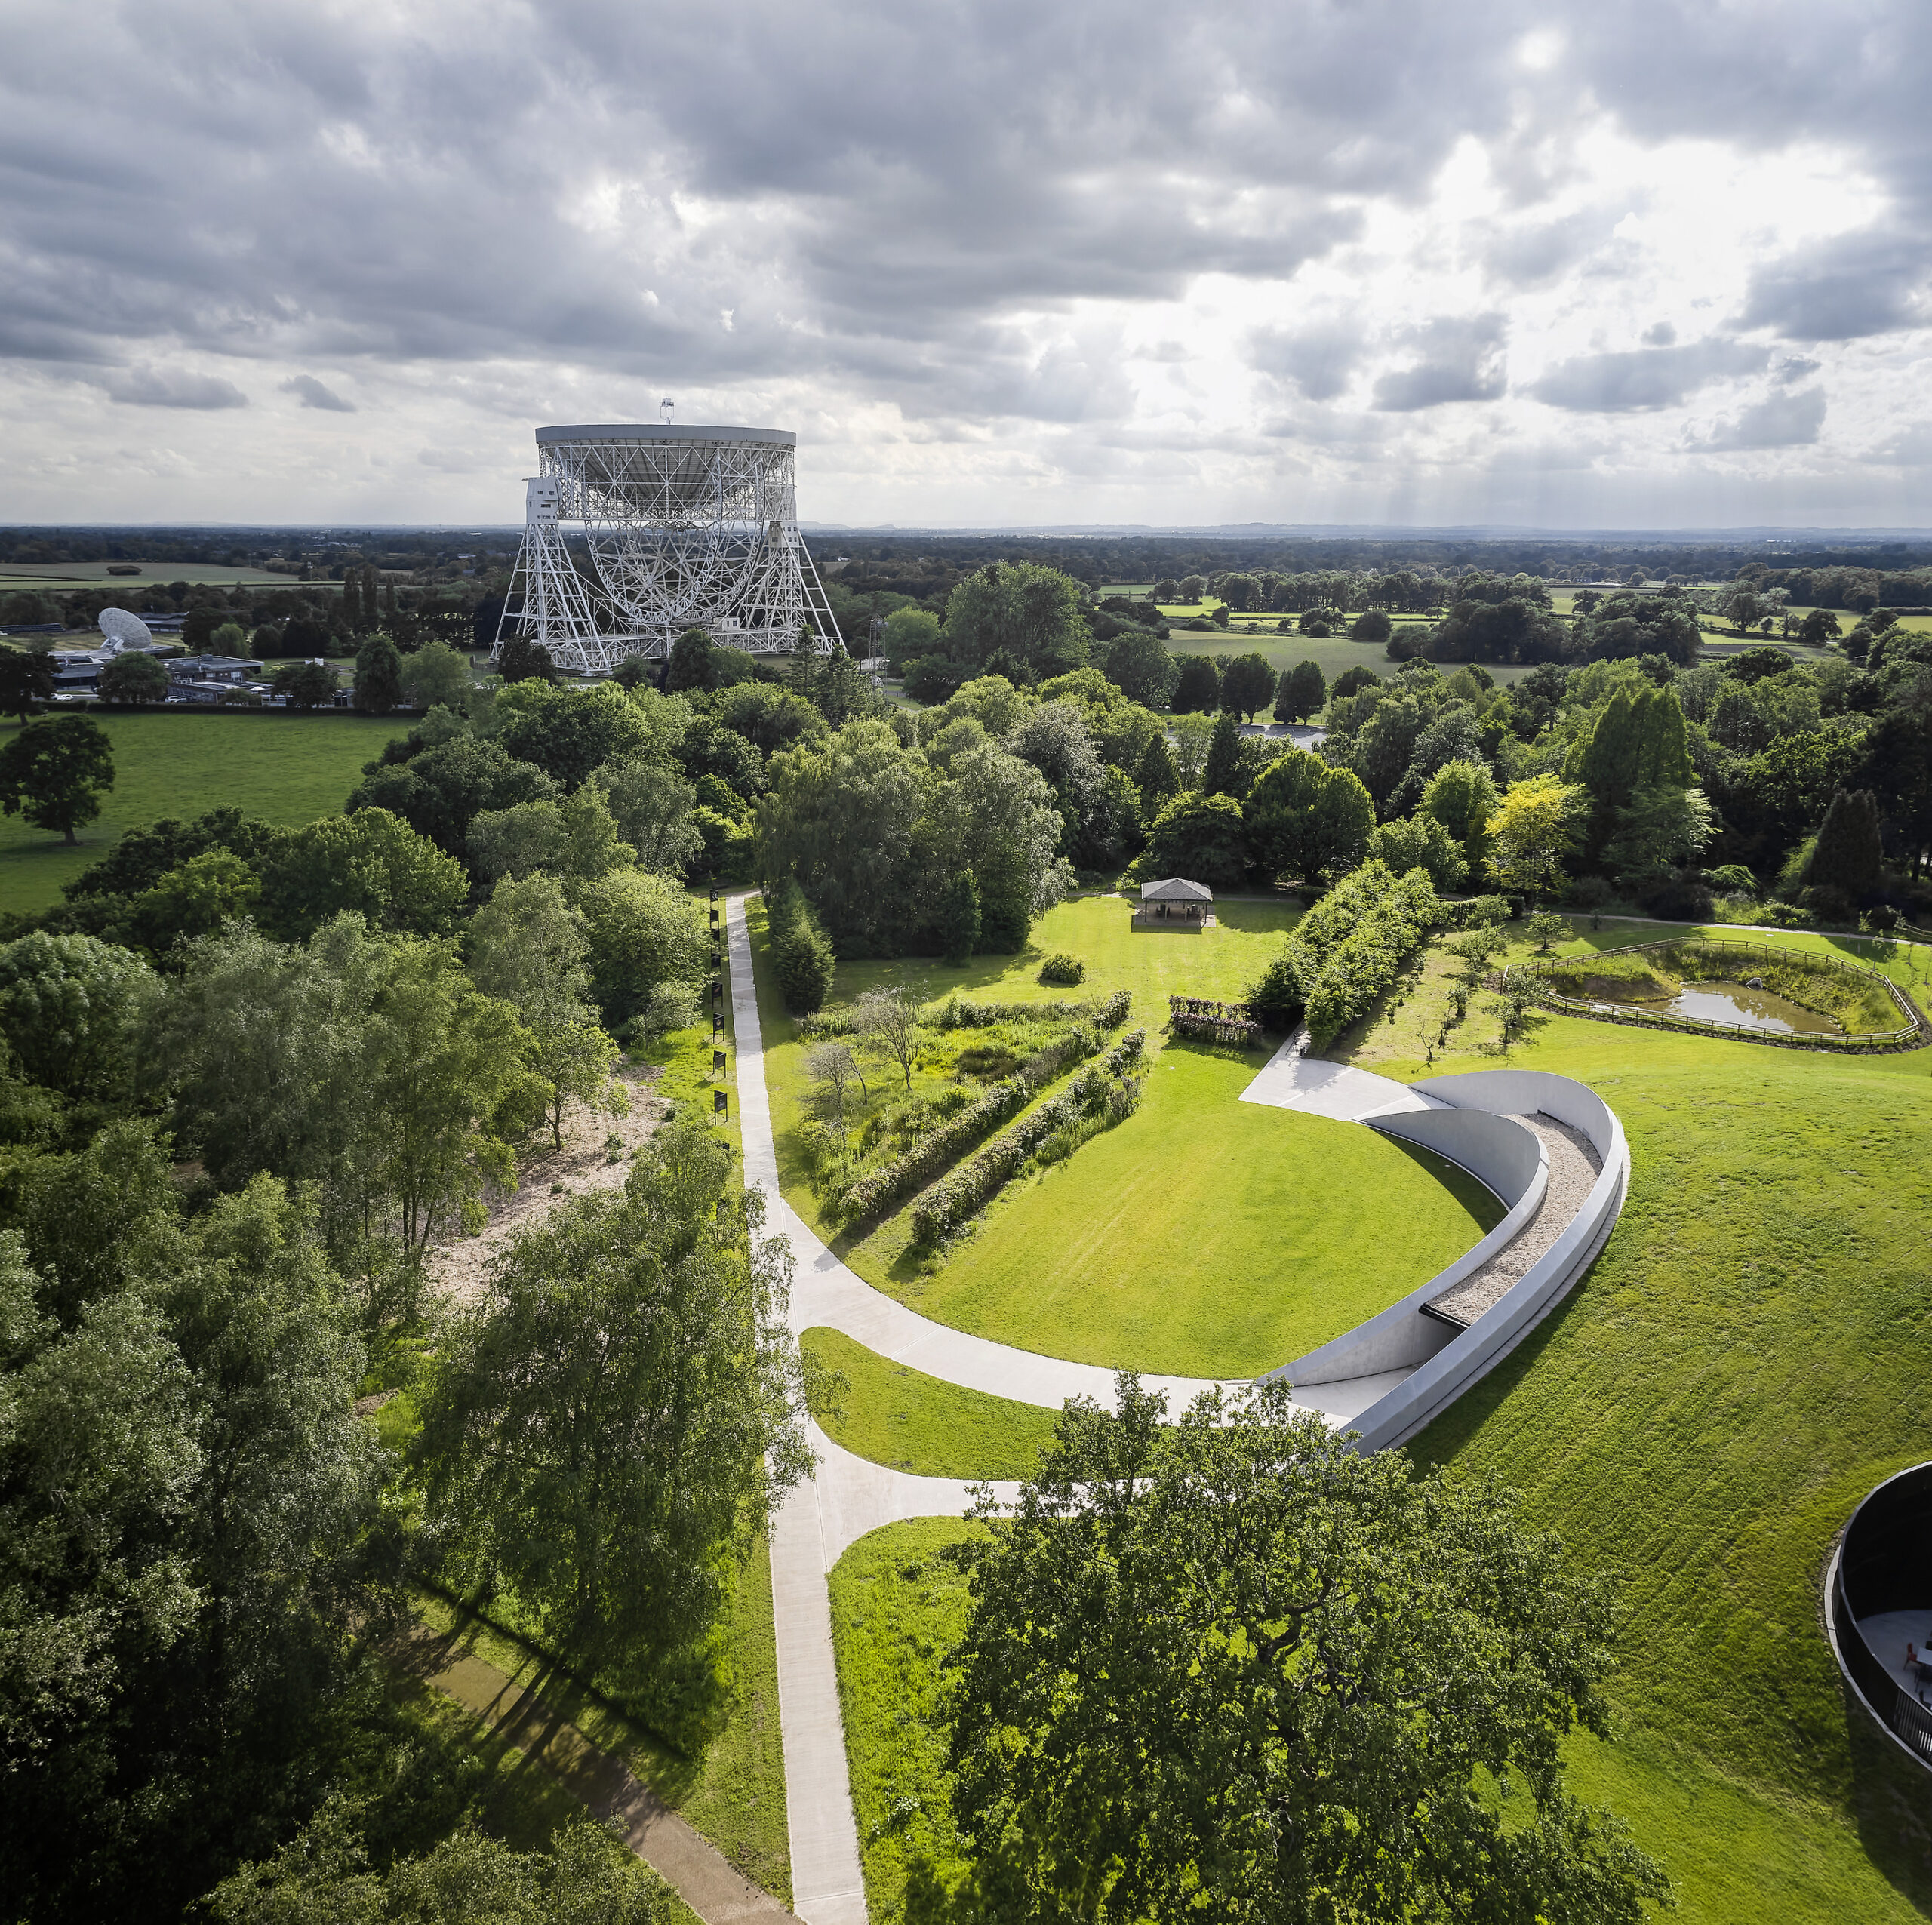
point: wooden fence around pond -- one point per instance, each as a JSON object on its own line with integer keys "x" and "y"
{"x": 1915, "y": 1034}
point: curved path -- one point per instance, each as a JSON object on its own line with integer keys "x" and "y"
{"x": 849, "y": 1496}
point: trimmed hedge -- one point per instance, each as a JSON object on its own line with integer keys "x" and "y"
{"x": 958, "y": 1012}
{"x": 1206, "y": 1021}
{"x": 949, "y": 1141}
{"x": 1110, "y": 1085}
{"x": 1354, "y": 942}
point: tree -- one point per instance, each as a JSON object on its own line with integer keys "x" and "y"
{"x": 1156, "y": 778}
{"x": 635, "y": 1347}
{"x": 643, "y": 930}
{"x": 576, "y": 838}
{"x": 1248, "y": 685}
{"x": 1546, "y": 929}
{"x": 1532, "y": 831}
{"x": 1661, "y": 826}
{"x": 1374, "y": 626}
{"x": 959, "y": 918}
{"x": 55, "y": 772}
{"x": 1818, "y": 628}
{"x": 1197, "y": 687}
{"x": 1230, "y": 1668}
{"x": 889, "y": 1019}
{"x": 67, "y": 1009}
{"x": 441, "y": 792}
{"x": 1017, "y": 618}
{"x": 520, "y": 660}
{"x": 570, "y": 732}
{"x": 1848, "y": 856}
{"x": 206, "y": 891}
{"x": 833, "y": 1069}
{"x": 371, "y": 862}
{"x": 378, "y": 676}
{"x": 1139, "y": 664}
{"x": 690, "y": 664}
{"x": 134, "y": 676}
{"x": 1462, "y": 796}
{"x": 1307, "y": 819}
{"x": 1302, "y": 694}
{"x": 305, "y": 684}
{"x": 802, "y": 954}
{"x": 910, "y": 632}
{"x": 1420, "y": 842}
{"x": 1199, "y": 838}
{"x": 528, "y": 950}
{"x": 652, "y": 806}
{"x": 25, "y": 679}
{"x": 1222, "y": 776}
{"x": 437, "y": 676}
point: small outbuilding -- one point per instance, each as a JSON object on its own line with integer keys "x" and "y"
{"x": 1174, "y": 903}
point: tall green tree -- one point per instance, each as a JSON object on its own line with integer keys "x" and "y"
{"x": 1248, "y": 685}
{"x": 371, "y": 864}
{"x": 68, "y": 1008}
{"x": 1230, "y": 1669}
{"x": 1301, "y": 693}
{"x": 55, "y": 773}
{"x": 1139, "y": 664}
{"x": 652, "y": 807}
{"x": 1308, "y": 820}
{"x": 527, "y": 948}
{"x": 1222, "y": 776}
{"x": 635, "y": 1347}
{"x": 1848, "y": 857}
{"x": 959, "y": 918}
{"x": 1200, "y": 838}
{"x": 1018, "y": 619}
{"x": 1462, "y": 796}
{"x": 135, "y": 676}
{"x": 569, "y": 733}
{"x": 25, "y": 679}
{"x": 378, "y": 676}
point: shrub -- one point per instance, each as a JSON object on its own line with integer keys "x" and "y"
{"x": 801, "y": 951}
{"x": 1111, "y": 1087}
{"x": 1281, "y": 995}
{"x": 938, "y": 1147}
{"x": 1064, "y": 969}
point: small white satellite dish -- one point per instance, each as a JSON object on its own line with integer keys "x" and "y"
{"x": 123, "y": 630}
{"x": 664, "y": 408}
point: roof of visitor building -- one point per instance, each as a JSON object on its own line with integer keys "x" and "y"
{"x": 1175, "y": 889}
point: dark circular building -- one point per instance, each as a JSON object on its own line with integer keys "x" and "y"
{"x": 1878, "y": 1607}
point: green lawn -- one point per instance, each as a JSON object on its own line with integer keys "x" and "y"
{"x": 897, "y": 1606}
{"x": 1203, "y": 1236}
{"x": 1331, "y": 654}
{"x": 288, "y": 769}
{"x": 895, "y": 1415}
{"x": 67, "y": 576}
{"x": 1746, "y": 1359}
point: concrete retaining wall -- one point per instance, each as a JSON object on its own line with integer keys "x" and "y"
{"x": 1447, "y": 1363}
{"x": 1500, "y": 1154}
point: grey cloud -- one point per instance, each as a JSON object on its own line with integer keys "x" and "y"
{"x": 160, "y": 387}
{"x": 1318, "y": 359}
{"x": 1533, "y": 255}
{"x": 1795, "y": 367}
{"x": 1910, "y": 447}
{"x": 1662, "y": 334}
{"x": 1841, "y": 290}
{"x": 1788, "y": 420}
{"x": 312, "y": 393}
{"x": 1645, "y": 377}
{"x": 1458, "y": 359}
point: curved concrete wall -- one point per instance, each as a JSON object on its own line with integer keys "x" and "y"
{"x": 1500, "y": 1153}
{"x": 1447, "y": 1363}
{"x": 1468, "y": 1358}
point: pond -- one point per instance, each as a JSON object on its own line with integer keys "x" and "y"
{"x": 1746, "y": 1008}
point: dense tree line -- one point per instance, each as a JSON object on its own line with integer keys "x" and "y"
{"x": 254, "y": 1076}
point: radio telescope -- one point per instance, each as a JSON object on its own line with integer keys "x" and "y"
{"x": 685, "y": 527}
{"x": 123, "y": 630}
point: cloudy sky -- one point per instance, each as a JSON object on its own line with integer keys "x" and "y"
{"x": 1567, "y": 265}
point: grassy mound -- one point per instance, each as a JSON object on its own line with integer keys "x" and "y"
{"x": 896, "y": 1415}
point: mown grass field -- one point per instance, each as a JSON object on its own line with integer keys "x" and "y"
{"x": 1745, "y": 1359}
{"x": 286, "y": 769}
{"x": 65, "y": 576}
{"x": 895, "y": 1415}
{"x": 1202, "y": 1235}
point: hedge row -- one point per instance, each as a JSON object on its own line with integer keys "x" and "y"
{"x": 945, "y": 1144}
{"x": 1207, "y": 1006}
{"x": 1218, "y": 1029}
{"x": 1354, "y": 942}
{"x": 958, "y": 1012}
{"x": 1109, "y": 1084}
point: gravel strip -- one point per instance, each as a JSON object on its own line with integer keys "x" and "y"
{"x": 1574, "y": 1167}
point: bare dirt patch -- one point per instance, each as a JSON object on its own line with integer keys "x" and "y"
{"x": 589, "y": 1161}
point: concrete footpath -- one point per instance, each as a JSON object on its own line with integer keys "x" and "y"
{"x": 701, "y": 1875}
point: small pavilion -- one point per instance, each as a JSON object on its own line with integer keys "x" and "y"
{"x": 1174, "y": 903}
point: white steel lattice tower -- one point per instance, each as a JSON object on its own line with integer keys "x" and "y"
{"x": 686, "y": 527}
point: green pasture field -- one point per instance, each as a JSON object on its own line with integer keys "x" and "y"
{"x": 896, "y": 1415}
{"x": 1332, "y": 654}
{"x": 63, "y": 577}
{"x": 286, "y": 769}
{"x": 1200, "y": 1236}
